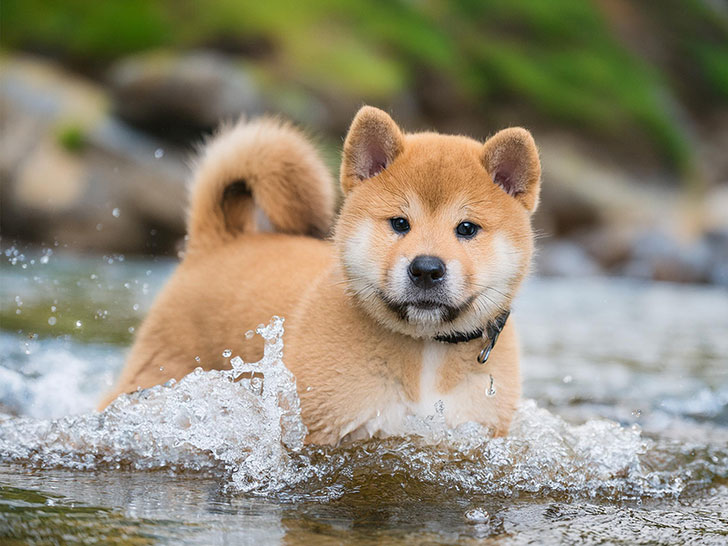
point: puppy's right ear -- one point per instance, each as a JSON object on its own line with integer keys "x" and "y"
{"x": 373, "y": 142}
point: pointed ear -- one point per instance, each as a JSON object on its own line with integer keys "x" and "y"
{"x": 373, "y": 142}
{"x": 511, "y": 159}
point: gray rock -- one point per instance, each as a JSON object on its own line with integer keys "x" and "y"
{"x": 610, "y": 246}
{"x": 580, "y": 193}
{"x": 564, "y": 259}
{"x": 195, "y": 89}
{"x": 659, "y": 256}
{"x": 76, "y": 175}
{"x": 717, "y": 243}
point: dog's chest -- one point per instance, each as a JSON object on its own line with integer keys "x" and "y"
{"x": 396, "y": 413}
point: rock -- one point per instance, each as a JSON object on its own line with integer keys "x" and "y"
{"x": 580, "y": 193}
{"x": 717, "y": 244}
{"x": 76, "y": 175}
{"x": 610, "y": 246}
{"x": 563, "y": 258}
{"x": 182, "y": 93}
{"x": 656, "y": 255}
{"x": 715, "y": 213}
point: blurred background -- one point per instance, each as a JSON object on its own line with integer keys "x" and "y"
{"x": 103, "y": 103}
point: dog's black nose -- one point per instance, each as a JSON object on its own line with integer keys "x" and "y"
{"x": 426, "y": 271}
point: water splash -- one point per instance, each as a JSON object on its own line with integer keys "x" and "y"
{"x": 208, "y": 420}
{"x": 245, "y": 425}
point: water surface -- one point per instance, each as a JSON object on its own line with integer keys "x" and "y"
{"x": 622, "y": 436}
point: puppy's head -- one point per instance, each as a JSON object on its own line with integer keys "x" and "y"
{"x": 435, "y": 235}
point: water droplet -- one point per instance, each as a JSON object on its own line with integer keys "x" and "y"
{"x": 637, "y": 413}
{"x": 79, "y": 324}
{"x": 236, "y": 362}
{"x": 99, "y": 226}
{"x": 256, "y": 385}
{"x": 158, "y": 153}
{"x": 44, "y": 259}
{"x": 135, "y": 307}
{"x": 53, "y": 308}
{"x": 567, "y": 379}
{"x": 161, "y": 368}
{"x": 477, "y": 515}
{"x": 198, "y": 359}
{"x": 116, "y": 212}
{"x": 490, "y": 391}
{"x": 249, "y": 334}
{"x": 130, "y": 329}
{"x": 52, "y": 321}
{"x": 227, "y": 353}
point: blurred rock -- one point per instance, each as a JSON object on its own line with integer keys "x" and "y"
{"x": 580, "y": 193}
{"x": 715, "y": 214}
{"x": 656, "y": 255}
{"x": 610, "y": 246}
{"x": 712, "y": 147}
{"x": 71, "y": 173}
{"x": 623, "y": 225}
{"x": 182, "y": 93}
{"x": 298, "y": 104}
{"x": 564, "y": 259}
{"x": 717, "y": 244}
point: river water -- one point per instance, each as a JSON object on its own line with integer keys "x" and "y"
{"x": 622, "y": 436}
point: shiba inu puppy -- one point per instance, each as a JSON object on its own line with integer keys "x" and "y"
{"x": 398, "y": 311}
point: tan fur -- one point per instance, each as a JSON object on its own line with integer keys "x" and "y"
{"x": 277, "y": 165}
{"x": 360, "y": 367}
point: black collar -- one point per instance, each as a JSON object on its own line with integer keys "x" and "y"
{"x": 459, "y": 337}
{"x": 491, "y": 332}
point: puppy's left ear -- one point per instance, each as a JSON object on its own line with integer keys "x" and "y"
{"x": 372, "y": 144}
{"x": 511, "y": 159}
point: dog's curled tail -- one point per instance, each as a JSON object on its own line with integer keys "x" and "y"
{"x": 265, "y": 164}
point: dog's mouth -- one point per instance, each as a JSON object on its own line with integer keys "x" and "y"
{"x": 427, "y": 305}
{"x": 444, "y": 311}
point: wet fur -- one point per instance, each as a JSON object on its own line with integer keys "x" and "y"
{"x": 363, "y": 357}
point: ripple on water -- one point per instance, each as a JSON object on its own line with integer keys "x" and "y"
{"x": 245, "y": 424}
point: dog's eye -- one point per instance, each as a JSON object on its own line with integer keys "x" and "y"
{"x": 400, "y": 225}
{"x": 467, "y": 230}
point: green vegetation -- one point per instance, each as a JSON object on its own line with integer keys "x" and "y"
{"x": 71, "y": 138}
{"x": 563, "y": 61}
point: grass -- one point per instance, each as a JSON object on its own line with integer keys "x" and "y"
{"x": 561, "y": 59}
{"x": 71, "y": 138}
